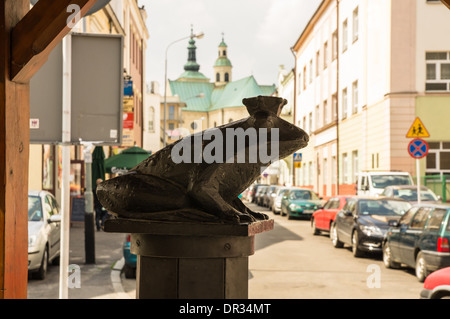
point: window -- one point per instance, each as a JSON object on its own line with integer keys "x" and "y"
{"x": 171, "y": 112}
{"x": 334, "y": 47}
{"x": 304, "y": 77}
{"x": 325, "y": 113}
{"x": 344, "y": 103}
{"x": 436, "y": 219}
{"x": 355, "y": 97}
{"x": 438, "y": 158}
{"x": 344, "y": 168}
{"x": 438, "y": 71}
{"x": 310, "y": 71}
{"x": 406, "y": 219}
{"x": 355, "y": 165}
{"x": 217, "y": 77}
{"x": 325, "y": 55}
{"x": 334, "y": 107}
{"x": 318, "y": 117}
{"x": 151, "y": 119}
{"x": 317, "y": 62}
{"x": 355, "y": 24}
{"x": 420, "y": 218}
{"x": 344, "y": 35}
{"x": 227, "y": 77}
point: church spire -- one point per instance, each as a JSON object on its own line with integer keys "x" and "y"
{"x": 192, "y": 64}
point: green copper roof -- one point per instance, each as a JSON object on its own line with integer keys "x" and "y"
{"x": 205, "y": 97}
{"x": 192, "y": 75}
{"x": 222, "y": 61}
{"x": 222, "y": 44}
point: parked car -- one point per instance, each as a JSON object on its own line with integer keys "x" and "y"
{"x": 253, "y": 191}
{"x": 260, "y": 194}
{"x": 409, "y": 193}
{"x": 323, "y": 218}
{"x": 129, "y": 267}
{"x": 364, "y": 222}
{"x": 276, "y": 206}
{"x": 372, "y": 183}
{"x": 420, "y": 240}
{"x": 269, "y": 195}
{"x": 437, "y": 285}
{"x": 299, "y": 202}
{"x": 43, "y": 232}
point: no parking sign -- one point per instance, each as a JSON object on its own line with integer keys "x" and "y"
{"x": 418, "y": 148}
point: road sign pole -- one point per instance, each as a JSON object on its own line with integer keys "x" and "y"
{"x": 418, "y": 180}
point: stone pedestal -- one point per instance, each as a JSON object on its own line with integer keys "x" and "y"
{"x": 190, "y": 260}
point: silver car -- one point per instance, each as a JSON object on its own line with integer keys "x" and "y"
{"x": 43, "y": 232}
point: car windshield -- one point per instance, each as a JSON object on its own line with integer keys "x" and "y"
{"x": 382, "y": 181}
{"x": 411, "y": 195}
{"x": 302, "y": 194}
{"x": 383, "y": 207}
{"x": 34, "y": 209}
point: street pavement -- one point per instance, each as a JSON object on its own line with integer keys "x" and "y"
{"x": 289, "y": 263}
{"x": 101, "y": 280}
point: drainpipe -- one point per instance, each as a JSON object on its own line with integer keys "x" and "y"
{"x": 337, "y": 97}
{"x": 294, "y": 112}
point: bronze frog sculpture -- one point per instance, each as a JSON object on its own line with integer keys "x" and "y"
{"x": 176, "y": 184}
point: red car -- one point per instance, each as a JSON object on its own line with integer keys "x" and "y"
{"x": 323, "y": 218}
{"x": 437, "y": 285}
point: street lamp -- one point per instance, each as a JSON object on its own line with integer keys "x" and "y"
{"x": 192, "y": 36}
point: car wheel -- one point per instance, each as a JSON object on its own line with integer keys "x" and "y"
{"x": 421, "y": 268}
{"x": 387, "y": 257}
{"x": 42, "y": 271}
{"x": 314, "y": 228}
{"x": 334, "y": 237}
{"x": 129, "y": 271}
{"x": 355, "y": 243}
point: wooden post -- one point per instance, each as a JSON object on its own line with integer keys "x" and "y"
{"x": 26, "y": 39}
{"x": 14, "y": 149}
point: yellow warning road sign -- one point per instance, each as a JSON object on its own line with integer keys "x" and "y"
{"x": 417, "y": 129}
{"x": 297, "y": 164}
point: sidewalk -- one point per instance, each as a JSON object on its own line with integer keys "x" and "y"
{"x": 102, "y": 280}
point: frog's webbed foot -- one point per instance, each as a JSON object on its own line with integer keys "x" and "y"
{"x": 239, "y": 205}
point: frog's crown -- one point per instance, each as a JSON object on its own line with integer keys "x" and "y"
{"x": 268, "y": 104}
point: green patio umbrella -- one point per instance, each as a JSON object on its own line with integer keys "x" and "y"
{"x": 126, "y": 160}
{"x": 98, "y": 165}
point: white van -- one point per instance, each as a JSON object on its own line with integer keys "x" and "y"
{"x": 372, "y": 183}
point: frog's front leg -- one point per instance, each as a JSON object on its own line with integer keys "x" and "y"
{"x": 239, "y": 205}
{"x": 204, "y": 191}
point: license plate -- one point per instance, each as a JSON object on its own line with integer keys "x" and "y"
{"x": 308, "y": 212}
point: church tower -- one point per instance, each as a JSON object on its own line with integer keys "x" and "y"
{"x": 191, "y": 68}
{"x": 222, "y": 66}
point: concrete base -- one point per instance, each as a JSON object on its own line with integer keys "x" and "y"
{"x": 190, "y": 260}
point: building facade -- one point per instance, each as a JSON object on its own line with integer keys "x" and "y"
{"x": 365, "y": 70}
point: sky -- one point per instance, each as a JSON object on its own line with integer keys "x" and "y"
{"x": 259, "y": 35}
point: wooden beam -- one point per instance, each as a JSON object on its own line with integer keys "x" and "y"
{"x": 14, "y": 141}
{"x": 446, "y": 2}
{"x": 38, "y": 32}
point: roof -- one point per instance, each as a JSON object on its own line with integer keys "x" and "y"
{"x": 222, "y": 61}
{"x": 205, "y": 96}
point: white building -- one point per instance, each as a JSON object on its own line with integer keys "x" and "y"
{"x": 362, "y": 79}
